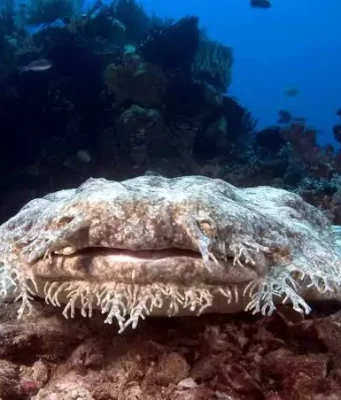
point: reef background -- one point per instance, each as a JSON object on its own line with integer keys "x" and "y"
{"x": 129, "y": 93}
{"x": 269, "y": 57}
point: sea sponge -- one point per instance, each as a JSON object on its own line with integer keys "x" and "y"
{"x": 142, "y": 83}
{"x": 157, "y": 246}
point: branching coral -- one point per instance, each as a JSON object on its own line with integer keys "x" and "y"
{"x": 152, "y": 245}
{"x": 213, "y": 64}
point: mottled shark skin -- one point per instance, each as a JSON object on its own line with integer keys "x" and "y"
{"x": 157, "y": 246}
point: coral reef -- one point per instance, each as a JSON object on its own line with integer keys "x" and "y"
{"x": 110, "y": 61}
{"x": 138, "y": 82}
{"x": 213, "y": 64}
{"x": 174, "y": 47}
{"x": 208, "y": 358}
{"x": 91, "y": 107}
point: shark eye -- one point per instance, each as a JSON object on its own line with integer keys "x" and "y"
{"x": 208, "y": 228}
{"x": 65, "y": 220}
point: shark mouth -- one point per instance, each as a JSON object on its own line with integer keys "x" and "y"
{"x": 128, "y": 285}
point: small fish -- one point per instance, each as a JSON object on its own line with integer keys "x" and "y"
{"x": 338, "y": 112}
{"x": 260, "y": 3}
{"x": 291, "y": 92}
{"x": 284, "y": 117}
{"x": 36, "y": 66}
{"x": 84, "y": 156}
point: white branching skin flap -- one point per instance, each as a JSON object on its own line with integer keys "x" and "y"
{"x": 157, "y": 246}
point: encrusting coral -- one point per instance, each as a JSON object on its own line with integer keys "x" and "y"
{"x": 157, "y": 246}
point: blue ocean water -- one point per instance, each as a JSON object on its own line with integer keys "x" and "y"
{"x": 295, "y": 43}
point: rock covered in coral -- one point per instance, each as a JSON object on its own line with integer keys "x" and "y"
{"x": 152, "y": 245}
{"x": 172, "y": 47}
{"x": 139, "y": 82}
{"x": 46, "y": 357}
{"x": 213, "y": 64}
{"x": 142, "y": 135}
{"x": 104, "y": 63}
{"x": 65, "y": 391}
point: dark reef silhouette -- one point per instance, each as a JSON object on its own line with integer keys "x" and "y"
{"x": 136, "y": 93}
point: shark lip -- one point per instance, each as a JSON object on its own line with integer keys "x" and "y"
{"x": 128, "y": 255}
{"x": 175, "y": 265}
{"x": 129, "y": 284}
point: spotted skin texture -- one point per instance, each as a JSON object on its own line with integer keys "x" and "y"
{"x": 159, "y": 246}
